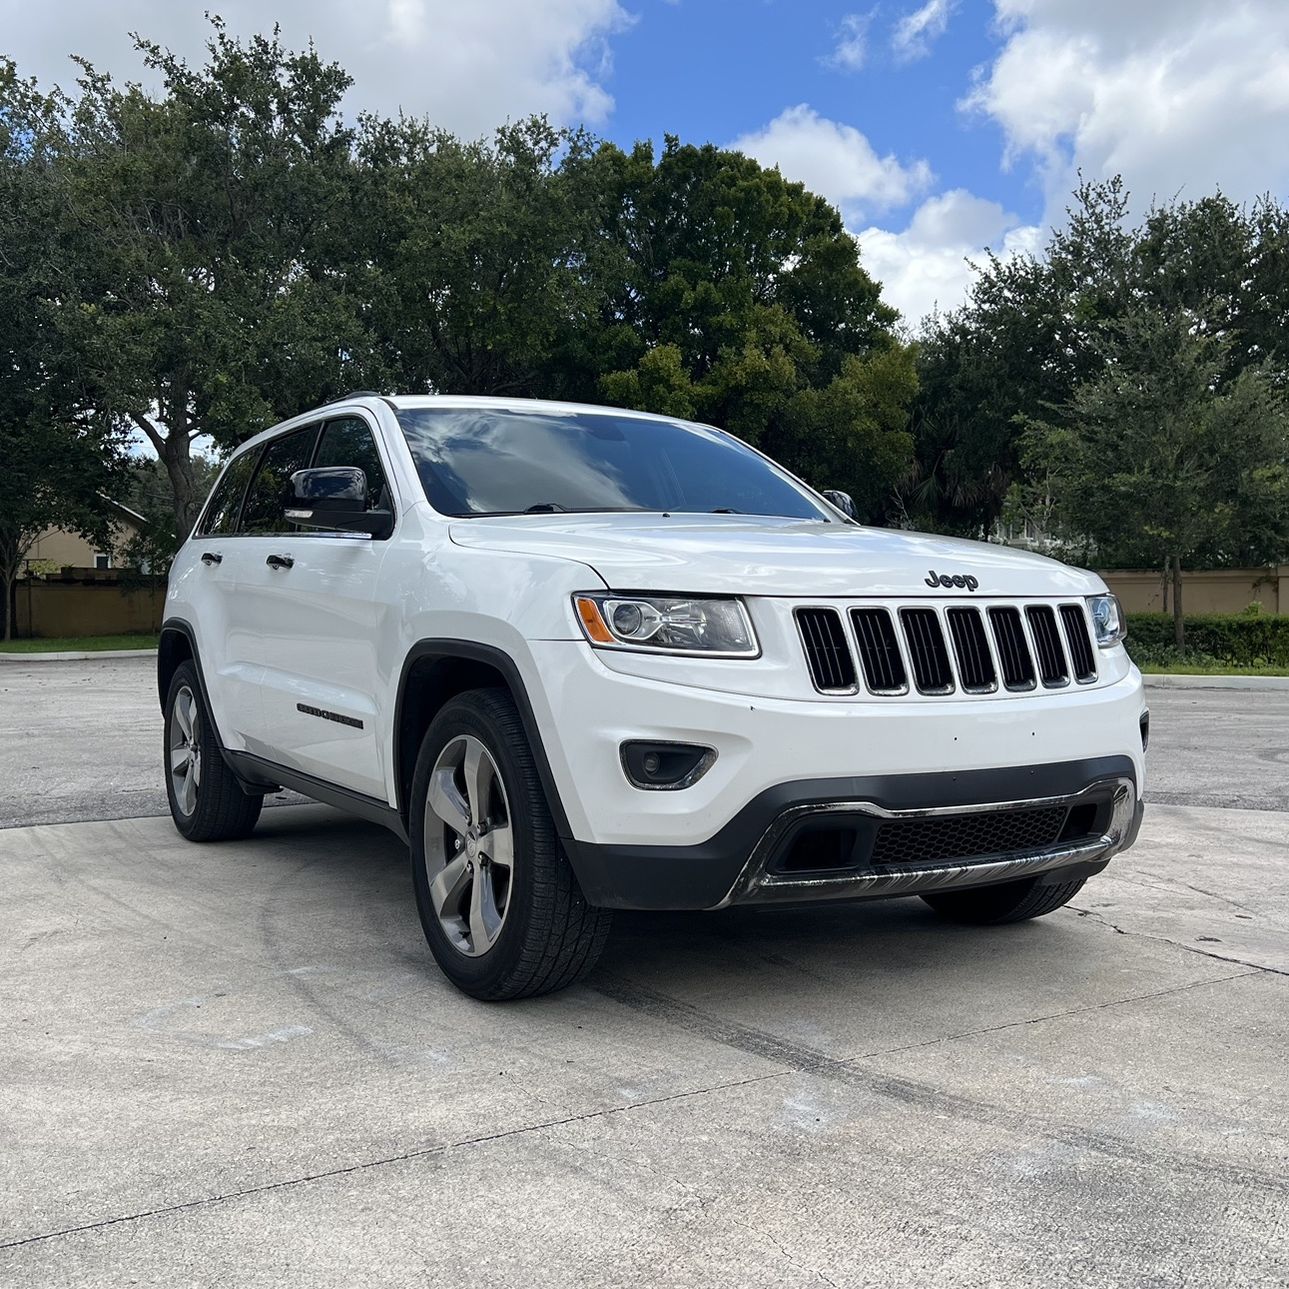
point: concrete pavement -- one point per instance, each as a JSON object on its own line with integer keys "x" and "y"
{"x": 237, "y": 1065}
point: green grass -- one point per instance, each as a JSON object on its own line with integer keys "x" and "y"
{"x": 78, "y": 644}
{"x": 1209, "y": 669}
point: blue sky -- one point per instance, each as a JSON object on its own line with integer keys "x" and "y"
{"x": 938, "y": 127}
{"x": 720, "y": 69}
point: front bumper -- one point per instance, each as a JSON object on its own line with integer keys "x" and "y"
{"x": 779, "y": 761}
{"x": 1092, "y": 809}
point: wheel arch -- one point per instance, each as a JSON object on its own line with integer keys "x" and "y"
{"x": 437, "y": 670}
{"x": 178, "y": 644}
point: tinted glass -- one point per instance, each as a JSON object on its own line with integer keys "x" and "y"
{"x": 270, "y": 491}
{"x": 350, "y": 442}
{"x": 226, "y": 500}
{"x": 480, "y": 461}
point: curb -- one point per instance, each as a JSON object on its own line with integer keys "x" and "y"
{"x": 76, "y": 657}
{"x": 1171, "y": 681}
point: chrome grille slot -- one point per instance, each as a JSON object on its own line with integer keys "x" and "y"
{"x": 831, "y": 666}
{"x": 1013, "y": 649}
{"x": 1076, "y": 636}
{"x": 927, "y": 651}
{"x": 879, "y": 651}
{"x": 1047, "y": 645}
{"x": 971, "y": 649}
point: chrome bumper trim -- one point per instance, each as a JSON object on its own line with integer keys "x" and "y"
{"x": 755, "y": 884}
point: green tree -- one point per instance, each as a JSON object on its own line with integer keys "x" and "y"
{"x": 1165, "y": 458}
{"x": 207, "y": 225}
{"x": 728, "y": 294}
{"x": 56, "y": 458}
{"x": 1030, "y": 332}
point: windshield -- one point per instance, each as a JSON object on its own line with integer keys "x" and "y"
{"x": 498, "y": 461}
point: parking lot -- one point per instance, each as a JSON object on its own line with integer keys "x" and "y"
{"x": 238, "y": 1064}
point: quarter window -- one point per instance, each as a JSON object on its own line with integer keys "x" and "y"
{"x": 270, "y": 490}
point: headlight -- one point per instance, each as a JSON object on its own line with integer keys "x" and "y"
{"x": 1108, "y": 623}
{"x": 667, "y": 624}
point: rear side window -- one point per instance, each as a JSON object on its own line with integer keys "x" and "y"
{"x": 350, "y": 442}
{"x": 270, "y": 491}
{"x": 226, "y": 500}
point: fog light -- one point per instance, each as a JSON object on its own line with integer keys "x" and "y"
{"x": 665, "y": 767}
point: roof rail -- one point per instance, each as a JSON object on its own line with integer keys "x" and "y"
{"x": 361, "y": 393}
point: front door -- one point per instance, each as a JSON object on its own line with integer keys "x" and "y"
{"x": 310, "y": 595}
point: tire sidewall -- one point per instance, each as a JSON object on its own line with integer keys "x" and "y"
{"x": 534, "y": 842}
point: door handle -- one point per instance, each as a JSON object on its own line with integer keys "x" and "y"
{"x": 280, "y": 561}
{"x": 212, "y": 557}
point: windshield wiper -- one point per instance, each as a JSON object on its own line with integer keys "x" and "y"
{"x": 545, "y": 508}
{"x": 724, "y": 510}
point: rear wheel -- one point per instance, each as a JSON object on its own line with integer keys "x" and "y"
{"x": 499, "y": 903}
{"x": 206, "y": 801}
{"x": 1010, "y": 902}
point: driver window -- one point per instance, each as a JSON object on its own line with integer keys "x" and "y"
{"x": 349, "y": 441}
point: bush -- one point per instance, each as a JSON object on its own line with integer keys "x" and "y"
{"x": 1234, "y": 639}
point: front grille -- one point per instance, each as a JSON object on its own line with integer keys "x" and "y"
{"x": 879, "y": 652}
{"x": 831, "y": 667}
{"x": 1076, "y": 636}
{"x": 971, "y": 649}
{"x": 1047, "y": 644}
{"x": 966, "y": 836}
{"x": 927, "y": 651}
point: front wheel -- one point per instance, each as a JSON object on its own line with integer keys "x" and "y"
{"x": 500, "y": 905}
{"x": 206, "y": 801}
{"x": 1009, "y": 902}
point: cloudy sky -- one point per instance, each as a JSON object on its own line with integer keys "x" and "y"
{"x": 937, "y": 126}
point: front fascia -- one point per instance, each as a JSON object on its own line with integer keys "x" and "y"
{"x": 765, "y": 742}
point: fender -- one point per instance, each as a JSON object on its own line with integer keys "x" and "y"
{"x": 473, "y": 651}
{"x": 184, "y": 629}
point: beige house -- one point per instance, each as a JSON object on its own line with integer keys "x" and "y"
{"x": 57, "y": 548}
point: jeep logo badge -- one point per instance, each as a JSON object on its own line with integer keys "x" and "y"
{"x": 957, "y": 579}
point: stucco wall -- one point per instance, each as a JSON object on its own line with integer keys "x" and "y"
{"x": 56, "y": 607}
{"x": 1227, "y": 590}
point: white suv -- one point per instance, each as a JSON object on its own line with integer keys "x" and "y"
{"x": 584, "y": 659}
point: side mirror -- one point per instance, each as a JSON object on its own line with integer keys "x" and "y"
{"x": 842, "y": 500}
{"x": 334, "y": 498}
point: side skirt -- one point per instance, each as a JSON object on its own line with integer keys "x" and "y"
{"x": 259, "y": 774}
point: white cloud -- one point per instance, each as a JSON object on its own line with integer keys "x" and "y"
{"x": 836, "y": 161}
{"x": 916, "y": 32}
{"x": 1179, "y": 98}
{"x": 467, "y": 64}
{"x": 851, "y": 51}
{"x": 927, "y": 265}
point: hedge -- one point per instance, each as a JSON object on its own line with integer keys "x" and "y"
{"x": 1235, "y": 638}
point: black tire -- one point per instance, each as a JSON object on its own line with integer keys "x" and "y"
{"x": 222, "y": 811}
{"x": 1010, "y": 902}
{"x": 549, "y": 936}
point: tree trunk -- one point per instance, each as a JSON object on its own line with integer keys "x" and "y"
{"x": 1179, "y": 624}
{"x": 176, "y": 456}
{"x": 10, "y": 581}
{"x": 1165, "y": 578}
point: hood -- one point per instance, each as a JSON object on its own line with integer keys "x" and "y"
{"x": 752, "y": 555}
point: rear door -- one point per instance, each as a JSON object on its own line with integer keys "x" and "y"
{"x": 310, "y": 597}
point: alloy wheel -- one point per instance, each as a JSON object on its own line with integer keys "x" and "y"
{"x": 469, "y": 845}
{"x": 185, "y": 750}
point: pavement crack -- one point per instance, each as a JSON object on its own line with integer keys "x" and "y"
{"x": 1178, "y": 944}
{"x": 1038, "y": 1020}
{"x": 367, "y": 1165}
